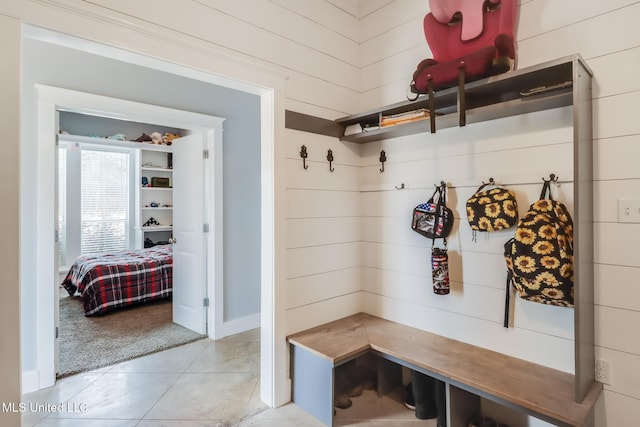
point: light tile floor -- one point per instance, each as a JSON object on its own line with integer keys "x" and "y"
{"x": 202, "y": 384}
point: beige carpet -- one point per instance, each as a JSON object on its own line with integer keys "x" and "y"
{"x": 88, "y": 343}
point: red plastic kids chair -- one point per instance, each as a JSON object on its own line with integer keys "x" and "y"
{"x": 469, "y": 40}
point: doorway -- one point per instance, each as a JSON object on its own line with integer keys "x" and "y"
{"x": 68, "y": 63}
{"x": 205, "y": 133}
{"x": 102, "y": 207}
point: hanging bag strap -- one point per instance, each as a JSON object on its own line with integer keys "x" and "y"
{"x": 440, "y": 206}
{"x": 507, "y": 300}
{"x": 546, "y": 188}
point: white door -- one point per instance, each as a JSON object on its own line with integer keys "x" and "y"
{"x": 189, "y": 246}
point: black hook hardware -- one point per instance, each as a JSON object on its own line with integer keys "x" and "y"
{"x": 401, "y": 187}
{"x": 552, "y": 178}
{"x": 491, "y": 182}
{"x": 383, "y": 158}
{"x": 330, "y": 159}
{"x": 303, "y": 154}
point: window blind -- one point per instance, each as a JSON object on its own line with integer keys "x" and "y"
{"x": 104, "y": 203}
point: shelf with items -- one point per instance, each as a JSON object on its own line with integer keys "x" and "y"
{"x": 565, "y": 82}
{"x": 541, "y": 87}
{"x": 154, "y": 196}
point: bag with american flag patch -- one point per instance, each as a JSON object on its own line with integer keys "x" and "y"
{"x": 433, "y": 219}
{"x": 539, "y": 257}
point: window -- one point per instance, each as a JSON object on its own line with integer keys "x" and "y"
{"x": 94, "y": 205}
{"x": 104, "y": 201}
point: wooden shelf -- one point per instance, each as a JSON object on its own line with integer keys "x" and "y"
{"x": 487, "y": 99}
{"x": 566, "y": 82}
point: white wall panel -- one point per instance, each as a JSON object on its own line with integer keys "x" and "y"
{"x": 617, "y": 157}
{"x": 304, "y": 232}
{"x": 329, "y": 15}
{"x": 616, "y": 116}
{"x": 308, "y": 316}
{"x": 592, "y": 37}
{"x": 368, "y": 7}
{"x": 541, "y": 16}
{"x": 305, "y": 290}
{"x": 615, "y": 409}
{"x": 618, "y": 286}
{"x": 616, "y": 73}
{"x": 307, "y": 29}
{"x": 618, "y": 329}
{"x": 209, "y": 20}
{"x": 320, "y": 93}
{"x": 321, "y": 204}
{"x": 318, "y": 259}
{"x": 391, "y": 15}
{"x": 617, "y": 244}
{"x": 404, "y": 36}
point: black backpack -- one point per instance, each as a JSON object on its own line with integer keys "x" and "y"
{"x": 540, "y": 256}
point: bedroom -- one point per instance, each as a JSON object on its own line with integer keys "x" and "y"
{"x": 241, "y": 166}
{"x": 102, "y": 212}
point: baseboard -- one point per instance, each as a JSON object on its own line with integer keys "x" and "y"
{"x": 243, "y": 324}
{"x": 30, "y": 381}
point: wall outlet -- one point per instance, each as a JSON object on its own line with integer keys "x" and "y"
{"x": 603, "y": 371}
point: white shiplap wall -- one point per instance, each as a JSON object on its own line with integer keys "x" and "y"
{"x": 396, "y": 280}
{"x": 349, "y": 249}
{"x": 323, "y": 231}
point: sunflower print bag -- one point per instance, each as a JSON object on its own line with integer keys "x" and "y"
{"x": 540, "y": 257}
{"x": 492, "y": 209}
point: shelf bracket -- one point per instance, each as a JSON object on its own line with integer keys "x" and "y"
{"x": 432, "y": 107}
{"x": 462, "y": 107}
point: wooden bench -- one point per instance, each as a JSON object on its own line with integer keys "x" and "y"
{"x": 470, "y": 372}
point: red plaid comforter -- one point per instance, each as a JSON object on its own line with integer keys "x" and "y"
{"x": 111, "y": 280}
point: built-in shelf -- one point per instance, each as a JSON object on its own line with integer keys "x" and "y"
{"x": 157, "y": 228}
{"x": 554, "y": 84}
{"x": 491, "y": 98}
{"x": 155, "y": 169}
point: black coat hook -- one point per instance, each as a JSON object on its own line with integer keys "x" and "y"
{"x": 491, "y": 182}
{"x": 383, "y": 158}
{"x": 330, "y": 159}
{"x": 303, "y": 154}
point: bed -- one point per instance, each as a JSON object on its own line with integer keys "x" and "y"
{"x": 119, "y": 279}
